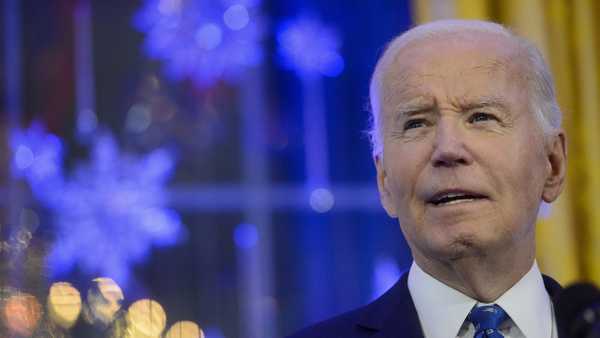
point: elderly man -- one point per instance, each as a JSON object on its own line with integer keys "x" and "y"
{"x": 467, "y": 144}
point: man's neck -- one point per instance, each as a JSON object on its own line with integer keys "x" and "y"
{"x": 484, "y": 278}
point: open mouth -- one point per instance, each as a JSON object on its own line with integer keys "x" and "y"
{"x": 454, "y": 197}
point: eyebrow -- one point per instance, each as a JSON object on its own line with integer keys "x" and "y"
{"x": 415, "y": 106}
{"x": 421, "y": 105}
{"x": 484, "y": 102}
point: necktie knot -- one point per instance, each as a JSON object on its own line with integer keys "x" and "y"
{"x": 487, "y": 320}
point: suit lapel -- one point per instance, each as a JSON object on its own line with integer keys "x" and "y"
{"x": 554, "y": 290}
{"x": 394, "y": 314}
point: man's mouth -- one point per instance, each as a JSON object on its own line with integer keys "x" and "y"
{"x": 449, "y": 197}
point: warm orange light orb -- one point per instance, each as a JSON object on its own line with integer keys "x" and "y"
{"x": 21, "y": 314}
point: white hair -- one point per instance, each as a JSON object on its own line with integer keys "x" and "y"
{"x": 543, "y": 100}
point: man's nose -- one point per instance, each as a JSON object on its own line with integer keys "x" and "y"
{"x": 449, "y": 148}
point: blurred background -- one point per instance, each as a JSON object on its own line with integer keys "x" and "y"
{"x": 172, "y": 165}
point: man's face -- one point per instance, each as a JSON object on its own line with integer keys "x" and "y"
{"x": 465, "y": 163}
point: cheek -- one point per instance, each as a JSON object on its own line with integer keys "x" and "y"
{"x": 405, "y": 173}
{"x": 519, "y": 184}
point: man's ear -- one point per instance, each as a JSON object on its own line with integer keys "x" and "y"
{"x": 385, "y": 195}
{"x": 557, "y": 166}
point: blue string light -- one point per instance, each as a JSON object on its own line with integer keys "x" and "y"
{"x": 204, "y": 40}
{"x": 307, "y": 46}
{"x": 37, "y": 156}
{"x": 109, "y": 211}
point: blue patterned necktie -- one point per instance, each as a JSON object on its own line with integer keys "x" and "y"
{"x": 486, "y": 320}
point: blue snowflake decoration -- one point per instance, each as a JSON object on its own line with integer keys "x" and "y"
{"x": 108, "y": 212}
{"x": 205, "y": 40}
{"x": 309, "y": 47}
{"x": 37, "y": 157}
{"x": 112, "y": 210}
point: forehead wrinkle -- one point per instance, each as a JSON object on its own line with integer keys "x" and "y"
{"x": 394, "y": 83}
{"x": 401, "y": 87}
{"x": 494, "y": 64}
{"x": 466, "y": 103}
{"x": 416, "y": 103}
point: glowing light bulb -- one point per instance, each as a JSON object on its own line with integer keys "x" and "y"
{"x": 145, "y": 318}
{"x": 245, "y": 236}
{"x": 21, "y": 314}
{"x": 321, "y": 200}
{"x": 24, "y": 157}
{"x": 236, "y": 17}
{"x": 185, "y": 329}
{"x": 104, "y": 301}
{"x": 64, "y": 304}
{"x": 209, "y": 36}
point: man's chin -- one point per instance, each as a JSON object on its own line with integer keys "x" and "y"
{"x": 459, "y": 248}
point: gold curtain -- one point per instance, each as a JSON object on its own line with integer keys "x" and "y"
{"x": 568, "y": 231}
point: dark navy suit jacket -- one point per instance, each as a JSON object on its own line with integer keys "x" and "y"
{"x": 393, "y": 315}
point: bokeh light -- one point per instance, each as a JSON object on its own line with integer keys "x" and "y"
{"x": 145, "y": 318}
{"x": 87, "y": 121}
{"x": 307, "y": 46}
{"x": 204, "y": 40}
{"x": 37, "y": 156}
{"x": 185, "y": 329}
{"x": 113, "y": 193}
{"x": 138, "y": 119}
{"x": 321, "y": 200}
{"x": 24, "y": 157}
{"x": 21, "y": 314}
{"x": 64, "y": 304}
{"x": 236, "y": 17}
{"x": 104, "y": 300}
{"x": 245, "y": 236}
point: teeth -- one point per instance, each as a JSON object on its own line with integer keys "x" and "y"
{"x": 453, "y": 198}
{"x": 457, "y": 201}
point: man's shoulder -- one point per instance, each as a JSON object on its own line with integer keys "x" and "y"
{"x": 394, "y": 311}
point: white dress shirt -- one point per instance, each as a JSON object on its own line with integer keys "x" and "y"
{"x": 442, "y": 310}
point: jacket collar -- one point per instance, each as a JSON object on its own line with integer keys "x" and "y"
{"x": 394, "y": 314}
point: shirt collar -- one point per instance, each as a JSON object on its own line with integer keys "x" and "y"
{"x": 442, "y": 309}
{"x": 528, "y": 304}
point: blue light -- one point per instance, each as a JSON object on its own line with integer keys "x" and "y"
{"x": 209, "y": 36}
{"x": 24, "y": 157}
{"x": 205, "y": 40}
{"x": 37, "y": 155}
{"x": 245, "y": 236}
{"x": 213, "y": 332}
{"x": 87, "y": 121}
{"x": 308, "y": 46}
{"x": 114, "y": 207}
{"x": 139, "y": 118}
{"x": 236, "y": 17}
{"x": 335, "y": 64}
{"x": 385, "y": 275}
{"x": 108, "y": 212}
{"x": 321, "y": 200}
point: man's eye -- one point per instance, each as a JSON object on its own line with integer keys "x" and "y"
{"x": 416, "y": 123}
{"x": 481, "y": 117}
